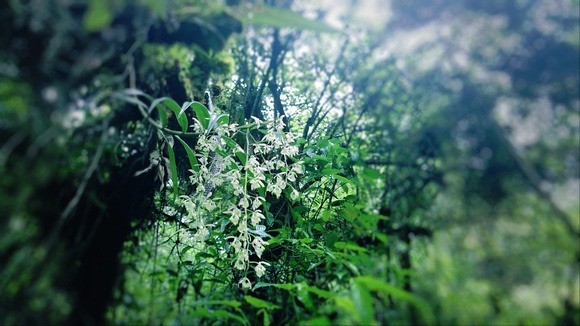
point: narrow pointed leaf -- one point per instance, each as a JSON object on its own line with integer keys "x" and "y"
{"x": 202, "y": 114}
{"x": 173, "y": 168}
{"x": 190, "y": 155}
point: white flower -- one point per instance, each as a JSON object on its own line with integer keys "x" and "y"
{"x": 280, "y": 182}
{"x": 297, "y": 168}
{"x": 244, "y": 202}
{"x": 209, "y": 205}
{"x": 290, "y": 137}
{"x": 290, "y": 151}
{"x": 238, "y": 189}
{"x": 236, "y": 213}
{"x": 256, "y": 120}
{"x": 237, "y": 244}
{"x": 274, "y": 189}
{"x": 190, "y": 207}
{"x": 245, "y": 283}
{"x": 294, "y": 195}
{"x": 256, "y": 183}
{"x": 243, "y": 226}
{"x": 260, "y": 269}
{"x": 257, "y": 202}
{"x": 258, "y": 245}
{"x": 257, "y": 217}
{"x": 240, "y": 264}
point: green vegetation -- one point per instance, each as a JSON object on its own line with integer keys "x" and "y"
{"x": 280, "y": 162}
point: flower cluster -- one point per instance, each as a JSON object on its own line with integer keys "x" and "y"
{"x": 237, "y": 180}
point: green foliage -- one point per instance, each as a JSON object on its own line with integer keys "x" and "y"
{"x": 283, "y": 18}
{"x": 391, "y": 190}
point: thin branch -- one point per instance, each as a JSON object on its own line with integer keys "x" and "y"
{"x": 534, "y": 180}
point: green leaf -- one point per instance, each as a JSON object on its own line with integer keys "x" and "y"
{"x": 167, "y": 103}
{"x": 330, "y": 171}
{"x": 346, "y": 304}
{"x": 321, "y": 293}
{"x": 287, "y": 286}
{"x": 223, "y": 119}
{"x": 216, "y": 121}
{"x": 349, "y": 246}
{"x": 279, "y": 18}
{"x": 156, "y": 6}
{"x": 304, "y": 296}
{"x": 317, "y": 321}
{"x": 372, "y": 174}
{"x": 363, "y": 303}
{"x": 161, "y": 110}
{"x": 173, "y": 168}
{"x": 266, "y": 317}
{"x": 259, "y": 303}
{"x": 98, "y": 16}
{"x": 374, "y": 284}
{"x": 342, "y": 179}
{"x": 202, "y": 114}
{"x": 231, "y": 303}
{"x": 186, "y": 249}
{"x": 176, "y": 109}
{"x": 202, "y": 312}
{"x": 243, "y": 157}
{"x": 190, "y": 155}
{"x": 184, "y": 107}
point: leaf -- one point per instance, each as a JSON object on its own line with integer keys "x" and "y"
{"x": 374, "y": 284}
{"x": 202, "y": 114}
{"x": 156, "y": 6}
{"x": 186, "y": 249}
{"x": 372, "y": 174}
{"x": 161, "y": 110}
{"x": 202, "y": 312}
{"x": 176, "y": 109}
{"x": 317, "y": 321}
{"x": 230, "y": 303}
{"x": 305, "y": 298}
{"x": 215, "y": 121}
{"x": 330, "y": 171}
{"x": 242, "y": 156}
{"x": 259, "y": 303}
{"x": 184, "y": 107}
{"x": 162, "y": 116}
{"x": 98, "y": 16}
{"x": 286, "y": 287}
{"x": 266, "y": 317}
{"x": 342, "y": 179}
{"x": 349, "y": 246}
{"x": 346, "y": 304}
{"x": 363, "y": 303}
{"x": 231, "y": 143}
{"x": 173, "y": 168}
{"x": 279, "y": 18}
{"x": 190, "y": 155}
{"x": 223, "y": 119}
{"x": 321, "y": 293}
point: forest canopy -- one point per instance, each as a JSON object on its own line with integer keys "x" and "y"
{"x": 289, "y": 162}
